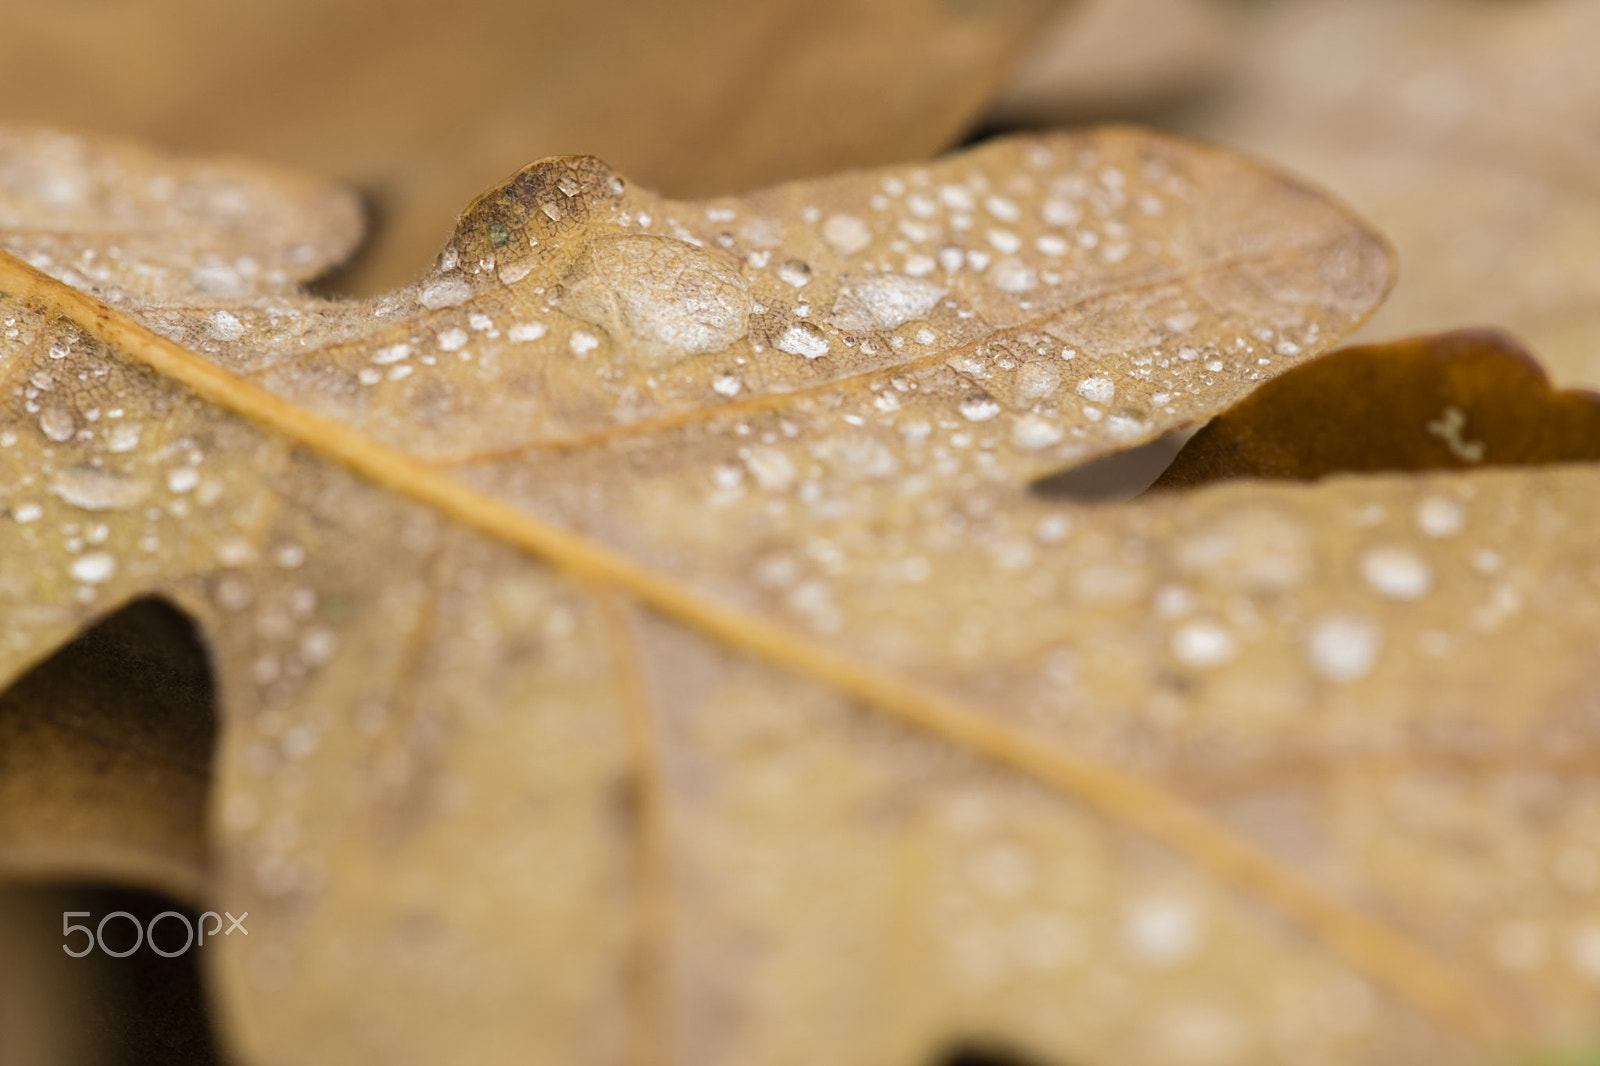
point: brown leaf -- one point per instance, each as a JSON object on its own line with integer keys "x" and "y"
{"x": 639, "y": 638}
{"x": 1449, "y": 402}
{"x": 425, "y": 104}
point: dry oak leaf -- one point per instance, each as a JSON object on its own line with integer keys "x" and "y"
{"x": 1460, "y": 400}
{"x": 423, "y": 104}
{"x": 638, "y": 641}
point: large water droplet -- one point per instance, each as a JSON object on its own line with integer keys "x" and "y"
{"x": 660, "y": 298}
{"x": 97, "y": 490}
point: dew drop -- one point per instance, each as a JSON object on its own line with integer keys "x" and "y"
{"x": 447, "y": 291}
{"x": 1441, "y": 516}
{"x": 846, "y": 234}
{"x": 57, "y": 423}
{"x": 94, "y": 568}
{"x": 979, "y": 409}
{"x": 1343, "y": 647}
{"x": 1203, "y": 643}
{"x": 1398, "y": 573}
{"x": 1097, "y": 390}
{"x": 97, "y": 490}
{"x": 802, "y": 338}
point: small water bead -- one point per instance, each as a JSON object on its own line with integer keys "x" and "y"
{"x": 94, "y": 567}
{"x": 794, "y": 272}
{"x": 1004, "y": 241}
{"x": 1584, "y": 950}
{"x": 446, "y": 291}
{"x": 1013, "y": 275}
{"x": 582, "y": 342}
{"x": 123, "y": 437}
{"x": 183, "y": 479}
{"x": 224, "y": 325}
{"x": 1097, "y": 390}
{"x": 453, "y": 339}
{"x": 57, "y": 423}
{"x": 726, "y": 385}
{"x": 802, "y": 338}
{"x": 1203, "y": 642}
{"x": 1396, "y": 572}
{"x": 1441, "y": 516}
{"x": 846, "y": 234}
{"x": 1343, "y": 647}
{"x": 392, "y": 354}
{"x": 1162, "y": 932}
{"x": 979, "y": 409}
{"x": 1051, "y": 245}
{"x": 23, "y": 513}
{"x": 523, "y": 332}
{"x": 1031, "y": 433}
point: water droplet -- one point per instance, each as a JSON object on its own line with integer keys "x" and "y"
{"x": 1398, "y": 573}
{"x": 94, "y": 568}
{"x": 1441, "y": 516}
{"x": 802, "y": 338}
{"x": 668, "y": 298}
{"x": 885, "y": 301}
{"x": 57, "y": 423}
{"x": 794, "y": 272}
{"x": 183, "y": 479}
{"x": 225, "y": 325}
{"x": 1097, "y": 390}
{"x": 392, "y": 354}
{"x": 771, "y": 468}
{"x": 726, "y": 385}
{"x": 1343, "y": 647}
{"x": 1162, "y": 932}
{"x": 582, "y": 342}
{"x": 1032, "y": 433}
{"x": 979, "y": 409}
{"x": 846, "y": 234}
{"x": 523, "y": 332}
{"x": 23, "y": 513}
{"x": 97, "y": 490}
{"x": 446, "y": 291}
{"x": 1203, "y": 643}
{"x": 1011, "y": 274}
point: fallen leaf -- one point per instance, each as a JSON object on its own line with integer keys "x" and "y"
{"x": 639, "y": 638}
{"x": 424, "y": 104}
{"x": 1452, "y": 401}
{"x": 1465, "y": 131}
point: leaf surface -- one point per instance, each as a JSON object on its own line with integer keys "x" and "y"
{"x": 638, "y": 639}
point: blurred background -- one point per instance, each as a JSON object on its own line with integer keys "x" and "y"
{"x": 1468, "y": 130}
